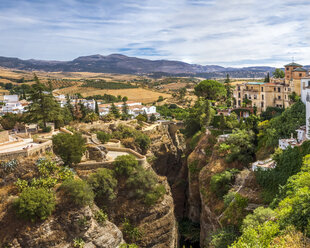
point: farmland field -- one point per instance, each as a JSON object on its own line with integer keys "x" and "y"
{"x": 138, "y": 94}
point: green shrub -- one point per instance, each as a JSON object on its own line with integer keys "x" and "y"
{"x": 223, "y": 237}
{"x": 46, "y": 129}
{"x": 102, "y": 84}
{"x": 125, "y": 165}
{"x": 103, "y": 136}
{"x": 9, "y": 166}
{"x": 145, "y": 186}
{"x": 133, "y": 233}
{"x": 100, "y": 216}
{"x": 78, "y": 191}
{"x": 259, "y": 216}
{"x": 143, "y": 141}
{"x": 46, "y": 167}
{"x": 235, "y": 212}
{"x": 154, "y": 195}
{"x": 221, "y": 182}
{"x": 43, "y": 182}
{"x": 103, "y": 183}
{"x": 78, "y": 243}
{"x": 128, "y": 246}
{"x": 69, "y": 147}
{"x": 193, "y": 168}
{"x": 189, "y": 230}
{"x": 35, "y": 204}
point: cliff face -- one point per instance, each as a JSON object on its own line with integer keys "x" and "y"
{"x": 65, "y": 227}
{"x": 204, "y": 206}
{"x": 196, "y": 161}
{"x": 168, "y": 150}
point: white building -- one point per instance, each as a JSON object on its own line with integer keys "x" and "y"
{"x": 285, "y": 143}
{"x": 134, "y": 108}
{"x": 12, "y": 104}
{"x": 264, "y": 164}
{"x": 305, "y": 97}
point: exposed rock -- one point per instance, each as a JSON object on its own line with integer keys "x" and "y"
{"x": 168, "y": 148}
{"x": 97, "y": 153}
{"x": 60, "y": 231}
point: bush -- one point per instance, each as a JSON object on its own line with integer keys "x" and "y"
{"x": 241, "y": 145}
{"x": 125, "y": 165}
{"x": 100, "y": 216}
{"x": 221, "y": 182}
{"x": 79, "y": 192}
{"x": 103, "y": 183}
{"x": 143, "y": 141}
{"x": 103, "y": 136}
{"x": 223, "y": 237}
{"x": 145, "y": 185}
{"x": 9, "y": 166}
{"x": 235, "y": 212}
{"x": 69, "y": 147}
{"x": 133, "y": 233}
{"x": 46, "y": 129}
{"x": 35, "y": 204}
{"x": 259, "y": 216}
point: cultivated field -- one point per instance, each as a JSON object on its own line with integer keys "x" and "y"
{"x": 138, "y": 94}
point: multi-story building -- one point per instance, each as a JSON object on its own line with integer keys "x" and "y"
{"x": 273, "y": 94}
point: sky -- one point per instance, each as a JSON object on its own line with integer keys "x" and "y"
{"x": 208, "y": 32}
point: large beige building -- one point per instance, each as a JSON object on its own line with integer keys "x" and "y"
{"x": 274, "y": 94}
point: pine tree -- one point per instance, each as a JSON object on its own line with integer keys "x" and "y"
{"x": 114, "y": 110}
{"x": 96, "y": 108}
{"x": 267, "y": 78}
{"x": 43, "y": 105}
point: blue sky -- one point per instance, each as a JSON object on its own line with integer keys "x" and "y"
{"x": 224, "y": 32}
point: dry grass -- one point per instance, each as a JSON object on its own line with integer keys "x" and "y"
{"x": 139, "y": 94}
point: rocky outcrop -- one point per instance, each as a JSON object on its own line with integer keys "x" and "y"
{"x": 96, "y": 152}
{"x": 61, "y": 230}
{"x": 168, "y": 149}
{"x": 197, "y": 160}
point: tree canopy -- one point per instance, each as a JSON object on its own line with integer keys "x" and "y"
{"x": 210, "y": 90}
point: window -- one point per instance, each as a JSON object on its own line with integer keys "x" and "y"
{"x": 287, "y": 68}
{"x": 262, "y": 104}
{"x": 250, "y": 97}
{"x": 308, "y": 83}
{"x": 251, "y": 88}
{"x": 279, "y": 89}
{"x": 275, "y": 89}
{"x": 285, "y": 97}
{"x": 262, "y": 89}
{"x": 300, "y": 74}
{"x": 238, "y": 87}
{"x": 262, "y": 97}
{"x": 239, "y": 103}
{"x": 289, "y": 89}
{"x": 287, "y": 76}
{"x": 239, "y": 95}
{"x": 279, "y": 97}
{"x": 255, "y": 96}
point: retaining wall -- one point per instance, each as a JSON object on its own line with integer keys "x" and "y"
{"x": 37, "y": 150}
{"x": 109, "y": 164}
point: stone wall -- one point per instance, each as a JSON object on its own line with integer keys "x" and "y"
{"x": 4, "y": 136}
{"x": 37, "y": 150}
{"x": 108, "y": 164}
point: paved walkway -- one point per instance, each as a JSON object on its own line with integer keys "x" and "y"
{"x": 17, "y": 146}
{"x": 114, "y": 155}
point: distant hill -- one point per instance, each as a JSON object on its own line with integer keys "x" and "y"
{"x": 118, "y": 63}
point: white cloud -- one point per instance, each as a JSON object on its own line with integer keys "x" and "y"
{"x": 234, "y": 32}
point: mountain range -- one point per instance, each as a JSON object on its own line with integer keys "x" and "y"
{"x": 118, "y": 63}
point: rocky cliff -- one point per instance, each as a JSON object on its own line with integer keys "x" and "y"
{"x": 205, "y": 207}
{"x": 167, "y": 151}
{"x": 66, "y": 227}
